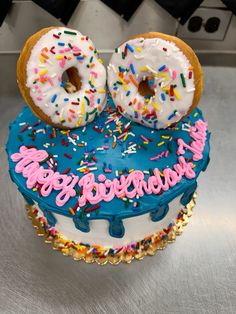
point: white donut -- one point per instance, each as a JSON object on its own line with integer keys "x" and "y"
{"x": 56, "y": 51}
{"x": 172, "y": 75}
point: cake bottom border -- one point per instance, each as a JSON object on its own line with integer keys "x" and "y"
{"x": 92, "y": 253}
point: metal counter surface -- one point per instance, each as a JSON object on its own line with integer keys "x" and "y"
{"x": 197, "y": 274}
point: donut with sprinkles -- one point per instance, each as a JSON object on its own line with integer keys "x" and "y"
{"x": 46, "y": 59}
{"x": 155, "y": 79}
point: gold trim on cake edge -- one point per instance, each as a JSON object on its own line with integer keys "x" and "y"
{"x": 148, "y": 246}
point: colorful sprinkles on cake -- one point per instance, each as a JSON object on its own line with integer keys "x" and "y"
{"x": 113, "y": 255}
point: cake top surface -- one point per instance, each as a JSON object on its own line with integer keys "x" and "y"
{"x": 111, "y": 169}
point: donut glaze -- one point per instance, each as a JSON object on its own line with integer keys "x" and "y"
{"x": 172, "y": 93}
{"x": 44, "y": 58}
{"x": 90, "y": 154}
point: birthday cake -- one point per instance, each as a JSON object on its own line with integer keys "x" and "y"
{"x": 106, "y": 183}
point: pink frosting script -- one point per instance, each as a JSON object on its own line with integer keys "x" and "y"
{"x": 28, "y": 163}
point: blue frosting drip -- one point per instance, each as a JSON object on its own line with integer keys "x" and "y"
{"x": 116, "y": 228}
{"x": 159, "y": 213}
{"x": 41, "y": 136}
{"x": 50, "y": 217}
{"x": 81, "y": 223}
{"x": 188, "y": 194}
{"x": 27, "y": 199}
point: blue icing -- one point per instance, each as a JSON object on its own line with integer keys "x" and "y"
{"x": 159, "y": 213}
{"x": 27, "y": 199}
{"x": 188, "y": 194}
{"x": 115, "y": 159}
{"x": 116, "y": 228}
{"x": 81, "y": 223}
{"x": 50, "y": 217}
{"x": 208, "y": 158}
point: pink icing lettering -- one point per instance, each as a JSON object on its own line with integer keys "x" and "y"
{"x": 104, "y": 191}
{"x": 187, "y": 169}
{"x": 171, "y": 177}
{"x": 155, "y": 181}
{"x": 28, "y": 163}
{"x": 88, "y": 184}
{"x": 101, "y": 177}
{"x": 67, "y": 191}
{"x": 136, "y": 178}
{"x": 197, "y": 155}
{"x": 26, "y": 156}
{"x": 198, "y": 133}
{"x": 30, "y": 169}
{"x": 32, "y": 178}
{"x": 45, "y": 178}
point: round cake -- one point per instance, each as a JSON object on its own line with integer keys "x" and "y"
{"x": 108, "y": 186}
{"x": 116, "y": 188}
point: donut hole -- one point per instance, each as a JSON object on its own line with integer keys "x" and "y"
{"x": 71, "y": 80}
{"x": 145, "y": 87}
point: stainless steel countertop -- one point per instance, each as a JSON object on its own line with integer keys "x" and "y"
{"x": 197, "y": 274}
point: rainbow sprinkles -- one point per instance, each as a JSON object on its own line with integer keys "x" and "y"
{"x": 57, "y": 51}
{"x": 28, "y": 163}
{"x": 169, "y": 75}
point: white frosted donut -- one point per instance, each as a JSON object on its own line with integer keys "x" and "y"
{"x": 171, "y": 75}
{"x": 56, "y": 51}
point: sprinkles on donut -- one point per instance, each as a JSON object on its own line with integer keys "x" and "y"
{"x": 44, "y": 59}
{"x": 155, "y": 79}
